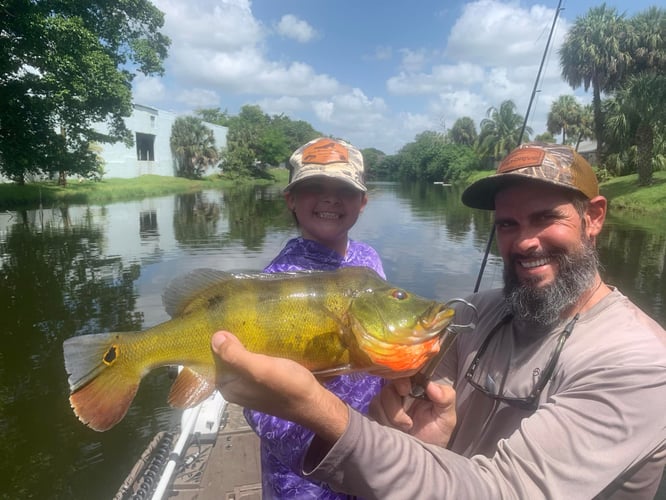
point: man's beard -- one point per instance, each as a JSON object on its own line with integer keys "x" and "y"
{"x": 542, "y": 306}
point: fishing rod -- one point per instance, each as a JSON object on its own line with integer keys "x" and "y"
{"x": 420, "y": 380}
{"x": 491, "y": 236}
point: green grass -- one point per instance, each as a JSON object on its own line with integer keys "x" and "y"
{"x": 624, "y": 195}
{"x": 48, "y": 193}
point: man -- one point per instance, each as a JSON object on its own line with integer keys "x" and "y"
{"x": 560, "y": 392}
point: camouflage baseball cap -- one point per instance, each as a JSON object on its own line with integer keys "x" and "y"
{"x": 325, "y": 157}
{"x": 554, "y": 164}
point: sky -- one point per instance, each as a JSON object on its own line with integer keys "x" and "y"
{"x": 375, "y": 73}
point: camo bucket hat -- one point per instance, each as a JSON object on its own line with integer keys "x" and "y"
{"x": 553, "y": 164}
{"x": 331, "y": 158}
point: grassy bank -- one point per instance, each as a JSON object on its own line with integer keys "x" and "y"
{"x": 625, "y": 197}
{"x": 48, "y": 193}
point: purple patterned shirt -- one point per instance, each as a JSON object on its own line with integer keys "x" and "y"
{"x": 283, "y": 443}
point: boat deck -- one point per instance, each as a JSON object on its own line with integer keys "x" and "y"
{"x": 227, "y": 467}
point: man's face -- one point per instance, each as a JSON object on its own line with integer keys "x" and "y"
{"x": 548, "y": 251}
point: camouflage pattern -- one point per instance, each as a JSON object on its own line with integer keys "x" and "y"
{"x": 325, "y": 157}
{"x": 554, "y": 164}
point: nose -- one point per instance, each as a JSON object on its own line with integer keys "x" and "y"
{"x": 526, "y": 241}
{"x": 330, "y": 195}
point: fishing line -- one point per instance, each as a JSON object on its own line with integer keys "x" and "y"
{"x": 520, "y": 137}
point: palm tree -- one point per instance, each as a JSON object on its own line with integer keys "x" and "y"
{"x": 463, "y": 131}
{"x": 647, "y": 40}
{"x": 500, "y": 131}
{"x": 637, "y": 114}
{"x": 564, "y": 113}
{"x": 193, "y": 145}
{"x": 584, "y": 127}
{"x": 594, "y": 54}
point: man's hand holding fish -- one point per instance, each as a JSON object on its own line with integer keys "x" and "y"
{"x": 430, "y": 419}
{"x": 277, "y": 386}
{"x": 287, "y": 390}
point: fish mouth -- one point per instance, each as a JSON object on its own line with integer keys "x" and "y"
{"x": 430, "y": 324}
{"x": 405, "y": 349}
{"x": 435, "y": 321}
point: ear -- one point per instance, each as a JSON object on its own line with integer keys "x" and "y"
{"x": 289, "y": 199}
{"x": 595, "y": 215}
{"x": 364, "y": 202}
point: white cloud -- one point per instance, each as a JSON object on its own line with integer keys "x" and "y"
{"x": 210, "y": 24}
{"x": 495, "y": 33}
{"x": 440, "y": 78}
{"x": 449, "y": 106}
{"x": 199, "y": 98}
{"x": 283, "y": 104}
{"x": 147, "y": 89}
{"x": 383, "y": 53}
{"x": 291, "y": 26}
{"x": 223, "y": 55}
{"x": 413, "y": 60}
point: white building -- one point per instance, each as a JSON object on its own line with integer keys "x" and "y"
{"x": 151, "y": 154}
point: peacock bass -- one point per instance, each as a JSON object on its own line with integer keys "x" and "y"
{"x": 331, "y": 322}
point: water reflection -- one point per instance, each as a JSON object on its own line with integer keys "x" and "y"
{"x": 86, "y": 269}
{"x": 634, "y": 260}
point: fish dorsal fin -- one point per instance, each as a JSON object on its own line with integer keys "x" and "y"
{"x": 186, "y": 293}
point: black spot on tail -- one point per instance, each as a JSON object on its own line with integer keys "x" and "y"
{"x": 110, "y": 355}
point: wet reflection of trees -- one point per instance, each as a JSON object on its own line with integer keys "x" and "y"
{"x": 54, "y": 283}
{"x": 251, "y": 211}
{"x": 436, "y": 202}
{"x": 635, "y": 259}
{"x": 195, "y": 218}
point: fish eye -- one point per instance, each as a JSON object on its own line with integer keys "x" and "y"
{"x": 399, "y": 294}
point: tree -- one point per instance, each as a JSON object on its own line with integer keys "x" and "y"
{"x": 372, "y": 158}
{"x": 637, "y": 115}
{"x": 564, "y": 113}
{"x": 463, "y": 132}
{"x": 64, "y": 67}
{"x": 193, "y": 145}
{"x": 647, "y": 41}
{"x": 594, "y": 54}
{"x": 246, "y": 131}
{"x": 500, "y": 131}
{"x": 213, "y": 115}
{"x": 255, "y": 140}
{"x": 430, "y": 157}
{"x": 545, "y": 137}
{"x": 584, "y": 127}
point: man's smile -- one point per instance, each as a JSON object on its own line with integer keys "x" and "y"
{"x": 532, "y": 263}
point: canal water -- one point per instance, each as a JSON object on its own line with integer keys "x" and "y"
{"x": 73, "y": 270}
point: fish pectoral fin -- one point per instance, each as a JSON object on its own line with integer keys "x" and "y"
{"x": 192, "y": 386}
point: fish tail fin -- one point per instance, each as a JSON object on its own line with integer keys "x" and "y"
{"x": 100, "y": 392}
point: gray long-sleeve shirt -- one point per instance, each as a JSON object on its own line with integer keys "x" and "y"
{"x": 599, "y": 430}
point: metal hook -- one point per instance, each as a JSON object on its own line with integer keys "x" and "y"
{"x": 470, "y": 325}
{"x": 420, "y": 380}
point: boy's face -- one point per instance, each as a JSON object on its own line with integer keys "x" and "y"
{"x": 326, "y": 209}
